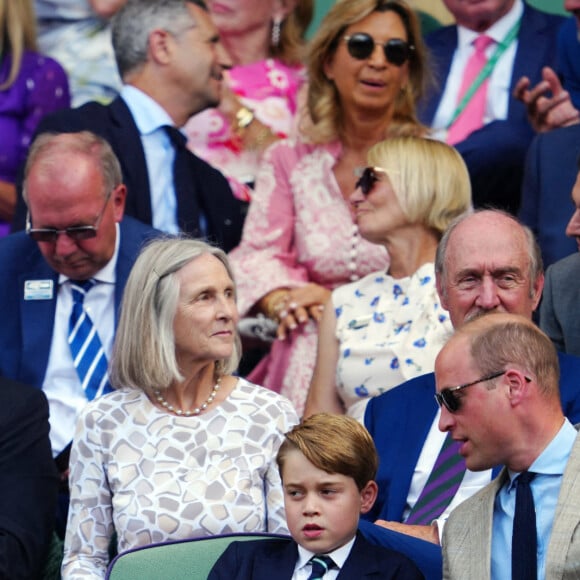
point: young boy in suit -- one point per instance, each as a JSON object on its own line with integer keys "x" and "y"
{"x": 327, "y": 464}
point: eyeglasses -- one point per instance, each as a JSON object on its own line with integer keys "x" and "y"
{"x": 361, "y": 45}
{"x": 76, "y": 233}
{"x": 452, "y": 402}
{"x": 367, "y": 177}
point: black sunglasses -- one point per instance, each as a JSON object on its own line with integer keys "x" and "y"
{"x": 361, "y": 45}
{"x": 367, "y": 177}
{"x": 76, "y": 233}
{"x": 452, "y": 402}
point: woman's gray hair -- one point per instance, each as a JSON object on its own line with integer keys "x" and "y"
{"x": 137, "y": 19}
{"x": 144, "y": 349}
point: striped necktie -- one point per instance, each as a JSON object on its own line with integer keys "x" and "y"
{"x": 442, "y": 485}
{"x": 87, "y": 351}
{"x": 320, "y": 566}
{"x": 471, "y": 117}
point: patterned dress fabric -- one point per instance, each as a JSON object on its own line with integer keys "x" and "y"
{"x": 270, "y": 89}
{"x": 40, "y": 88}
{"x": 154, "y": 477}
{"x": 299, "y": 229}
{"x": 70, "y": 32}
{"x": 389, "y": 330}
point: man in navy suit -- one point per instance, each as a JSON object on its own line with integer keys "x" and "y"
{"x": 171, "y": 63}
{"x": 485, "y": 262}
{"x": 495, "y": 153}
{"x": 76, "y": 231}
{"x": 327, "y": 465}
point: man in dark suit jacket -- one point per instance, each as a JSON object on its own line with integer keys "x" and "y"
{"x": 559, "y": 307}
{"x": 28, "y": 481}
{"x": 152, "y": 44}
{"x": 485, "y": 262}
{"x": 495, "y": 153}
{"x": 75, "y": 232}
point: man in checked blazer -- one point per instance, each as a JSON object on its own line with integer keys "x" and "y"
{"x": 497, "y": 384}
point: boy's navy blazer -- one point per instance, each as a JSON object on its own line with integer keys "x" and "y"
{"x": 27, "y": 325}
{"x": 276, "y": 558}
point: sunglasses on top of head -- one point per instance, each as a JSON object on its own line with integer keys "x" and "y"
{"x": 367, "y": 177}
{"x": 361, "y": 45}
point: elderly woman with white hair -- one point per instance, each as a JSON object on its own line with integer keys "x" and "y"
{"x": 182, "y": 448}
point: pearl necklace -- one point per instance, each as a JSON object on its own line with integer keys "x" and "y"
{"x": 180, "y": 412}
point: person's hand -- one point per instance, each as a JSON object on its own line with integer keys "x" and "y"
{"x": 427, "y": 533}
{"x": 299, "y": 306}
{"x": 548, "y": 105}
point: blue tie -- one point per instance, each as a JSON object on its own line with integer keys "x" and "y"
{"x": 87, "y": 351}
{"x": 320, "y": 566}
{"x": 524, "y": 538}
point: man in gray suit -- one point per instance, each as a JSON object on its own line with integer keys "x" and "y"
{"x": 559, "y": 311}
{"x": 497, "y": 384}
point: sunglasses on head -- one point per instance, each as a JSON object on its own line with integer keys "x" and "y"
{"x": 452, "y": 402}
{"x": 367, "y": 177}
{"x": 361, "y": 45}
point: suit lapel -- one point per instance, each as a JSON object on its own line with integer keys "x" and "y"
{"x": 442, "y": 45}
{"x": 126, "y": 141}
{"x": 361, "y": 562}
{"x": 277, "y": 563}
{"x": 37, "y": 320}
{"x": 566, "y": 519}
{"x": 473, "y": 534}
{"x": 423, "y": 412}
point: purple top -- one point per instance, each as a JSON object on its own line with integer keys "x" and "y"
{"x": 40, "y": 88}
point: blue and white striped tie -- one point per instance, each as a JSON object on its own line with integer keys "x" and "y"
{"x": 86, "y": 348}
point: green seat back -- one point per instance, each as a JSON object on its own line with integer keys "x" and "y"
{"x": 191, "y": 559}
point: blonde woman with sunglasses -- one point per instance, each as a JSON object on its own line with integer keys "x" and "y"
{"x": 389, "y": 326}
{"x": 366, "y": 70}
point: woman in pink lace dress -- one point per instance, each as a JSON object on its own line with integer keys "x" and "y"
{"x": 265, "y": 40}
{"x": 366, "y": 71}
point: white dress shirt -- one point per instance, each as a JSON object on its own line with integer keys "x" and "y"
{"x": 62, "y": 386}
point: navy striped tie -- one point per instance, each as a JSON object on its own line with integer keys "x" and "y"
{"x": 87, "y": 351}
{"x": 320, "y": 566}
{"x": 442, "y": 485}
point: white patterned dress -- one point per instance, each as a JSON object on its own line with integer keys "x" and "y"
{"x": 152, "y": 477}
{"x": 389, "y": 331}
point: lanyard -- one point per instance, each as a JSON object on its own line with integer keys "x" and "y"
{"x": 485, "y": 71}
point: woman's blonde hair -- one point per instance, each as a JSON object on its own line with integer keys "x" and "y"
{"x": 291, "y": 48}
{"x": 429, "y": 178}
{"x": 325, "y": 123}
{"x": 17, "y": 34}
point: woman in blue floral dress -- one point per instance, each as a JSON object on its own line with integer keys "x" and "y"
{"x": 389, "y": 326}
